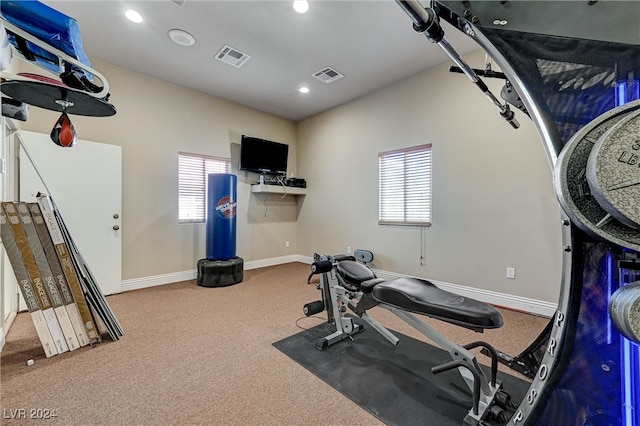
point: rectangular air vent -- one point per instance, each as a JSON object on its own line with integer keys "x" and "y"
{"x": 328, "y": 75}
{"x": 232, "y": 56}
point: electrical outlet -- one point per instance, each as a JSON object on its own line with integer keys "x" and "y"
{"x": 348, "y": 249}
{"x": 286, "y": 243}
{"x": 511, "y": 273}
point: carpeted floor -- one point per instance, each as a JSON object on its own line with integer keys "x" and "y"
{"x": 194, "y": 355}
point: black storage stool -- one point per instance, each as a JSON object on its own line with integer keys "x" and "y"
{"x": 220, "y": 273}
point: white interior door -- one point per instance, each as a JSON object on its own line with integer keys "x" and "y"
{"x": 85, "y": 182}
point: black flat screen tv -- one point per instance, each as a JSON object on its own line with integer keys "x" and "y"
{"x": 263, "y": 156}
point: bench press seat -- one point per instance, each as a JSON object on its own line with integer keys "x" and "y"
{"x": 354, "y": 273}
{"x": 423, "y": 297}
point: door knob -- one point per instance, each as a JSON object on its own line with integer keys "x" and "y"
{"x": 116, "y": 227}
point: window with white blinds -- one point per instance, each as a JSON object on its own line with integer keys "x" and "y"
{"x": 405, "y": 186}
{"x": 192, "y": 184}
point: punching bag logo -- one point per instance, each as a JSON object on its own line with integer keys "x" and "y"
{"x": 226, "y": 207}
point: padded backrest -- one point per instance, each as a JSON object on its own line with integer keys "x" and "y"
{"x": 354, "y": 273}
{"x": 364, "y": 256}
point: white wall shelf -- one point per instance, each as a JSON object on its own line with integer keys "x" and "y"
{"x": 278, "y": 189}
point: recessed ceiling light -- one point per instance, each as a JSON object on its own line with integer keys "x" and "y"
{"x": 182, "y": 38}
{"x": 303, "y": 89}
{"x": 301, "y": 6}
{"x": 133, "y": 16}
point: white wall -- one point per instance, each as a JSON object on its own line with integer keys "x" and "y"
{"x": 494, "y": 205}
{"x": 493, "y": 200}
{"x": 154, "y": 121}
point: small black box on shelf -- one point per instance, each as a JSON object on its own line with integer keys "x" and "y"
{"x": 296, "y": 182}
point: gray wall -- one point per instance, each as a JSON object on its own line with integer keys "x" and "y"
{"x": 493, "y": 200}
{"x": 154, "y": 121}
{"x": 494, "y": 204}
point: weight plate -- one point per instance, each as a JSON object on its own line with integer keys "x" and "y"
{"x": 624, "y": 310}
{"x": 572, "y": 188}
{"x": 613, "y": 170}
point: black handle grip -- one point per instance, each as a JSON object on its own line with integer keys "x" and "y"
{"x": 476, "y": 378}
{"x": 482, "y": 73}
{"x": 321, "y": 266}
{"x": 492, "y": 353}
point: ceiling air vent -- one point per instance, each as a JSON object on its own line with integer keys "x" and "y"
{"x": 232, "y": 56}
{"x": 178, "y": 2}
{"x": 328, "y": 75}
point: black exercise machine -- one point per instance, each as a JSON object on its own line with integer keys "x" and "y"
{"x": 347, "y": 284}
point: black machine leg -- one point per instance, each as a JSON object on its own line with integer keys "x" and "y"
{"x": 528, "y": 361}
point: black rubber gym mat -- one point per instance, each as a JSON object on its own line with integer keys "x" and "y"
{"x": 394, "y": 383}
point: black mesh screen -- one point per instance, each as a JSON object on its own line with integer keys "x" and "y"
{"x": 574, "y": 81}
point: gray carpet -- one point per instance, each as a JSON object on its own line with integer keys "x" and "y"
{"x": 394, "y": 383}
{"x": 201, "y": 356}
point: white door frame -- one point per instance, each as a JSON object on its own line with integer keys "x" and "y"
{"x": 85, "y": 182}
{"x": 8, "y": 177}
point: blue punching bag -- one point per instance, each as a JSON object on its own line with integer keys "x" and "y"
{"x": 221, "y": 216}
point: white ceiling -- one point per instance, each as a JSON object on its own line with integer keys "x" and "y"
{"x": 371, "y": 42}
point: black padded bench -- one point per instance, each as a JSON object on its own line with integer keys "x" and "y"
{"x": 422, "y": 297}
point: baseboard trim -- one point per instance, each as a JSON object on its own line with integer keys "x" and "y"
{"x": 174, "y": 277}
{"x": 156, "y": 280}
{"x": 509, "y": 301}
{"x": 272, "y": 261}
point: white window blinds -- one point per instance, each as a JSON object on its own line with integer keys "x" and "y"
{"x": 192, "y": 184}
{"x": 405, "y": 186}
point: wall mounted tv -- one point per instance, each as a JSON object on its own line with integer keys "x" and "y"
{"x": 263, "y": 156}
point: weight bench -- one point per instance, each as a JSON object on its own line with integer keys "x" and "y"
{"x": 347, "y": 284}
